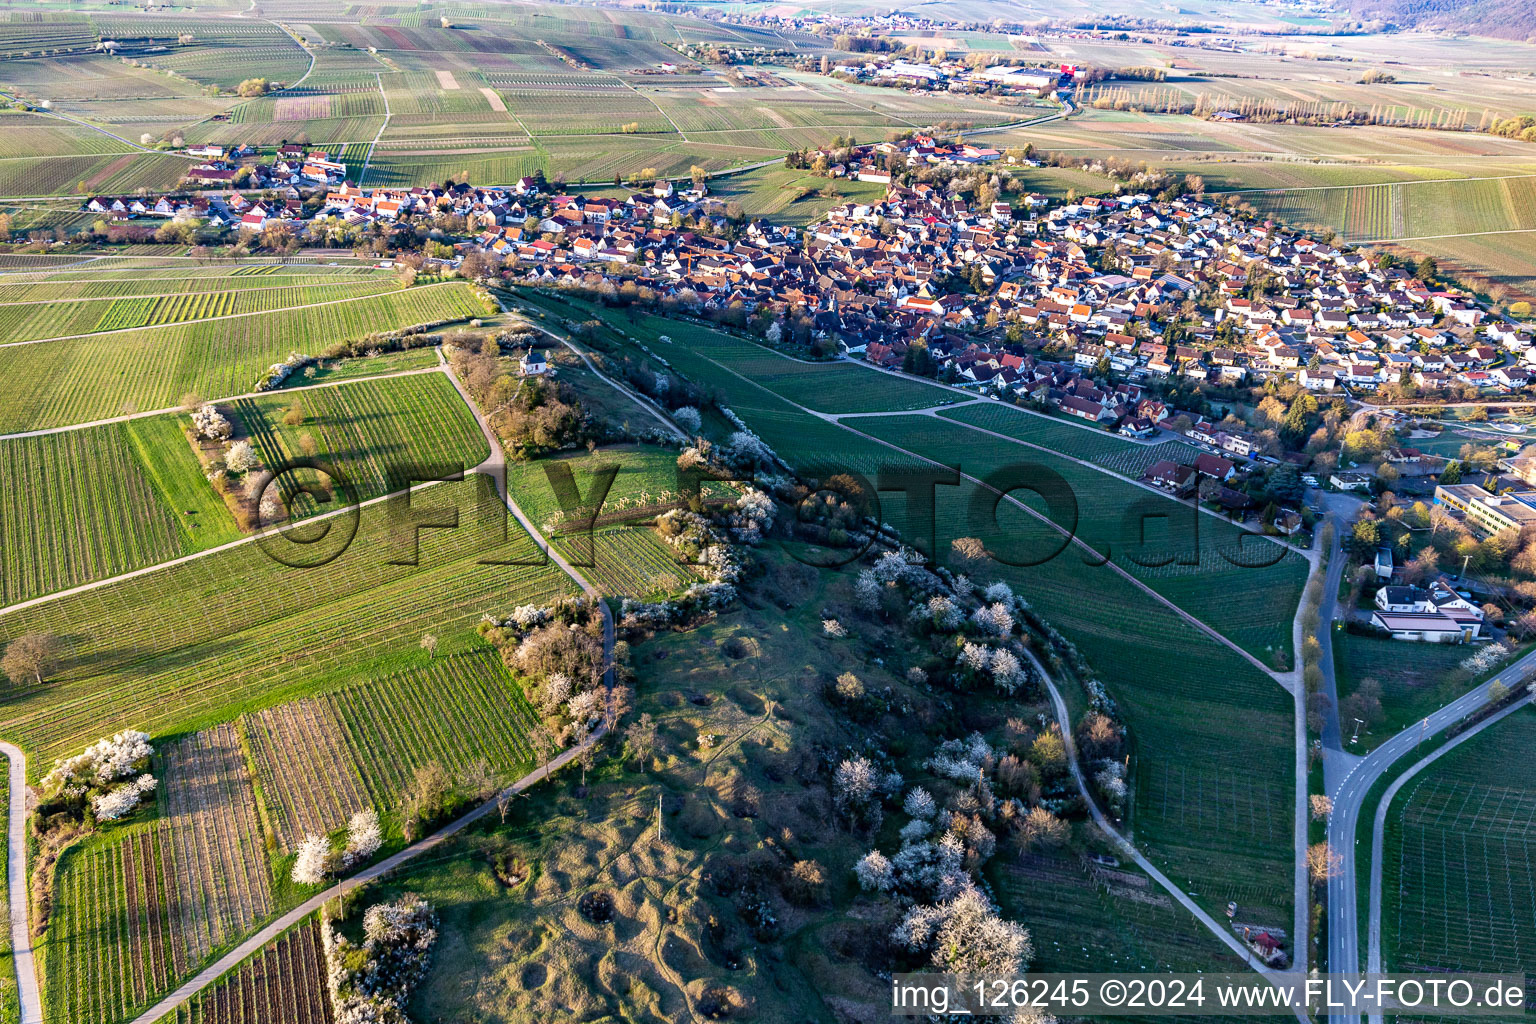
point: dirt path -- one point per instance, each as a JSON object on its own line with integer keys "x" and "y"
{"x": 1072, "y": 538}
{"x": 1124, "y": 846}
{"x": 217, "y": 401}
{"x": 379, "y": 75}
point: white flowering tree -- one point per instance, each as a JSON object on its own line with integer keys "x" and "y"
{"x": 944, "y": 614}
{"x": 210, "y": 424}
{"x": 919, "y": 803}
{"x": 964, "y": 935}
{"x": 875, "y": 873}
{"x": 855, "y": 791}
{"x": 313, "y": 860}
{"x": 110, "y": 777}
{"x": 121, "y": 801}
{"x": 364, "y": 837}
{"x": 241, "y": 457}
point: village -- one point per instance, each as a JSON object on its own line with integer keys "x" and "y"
{"x": 1158, "y": 318}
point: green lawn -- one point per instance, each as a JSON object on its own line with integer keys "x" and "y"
{"x": 1415, "y": 678}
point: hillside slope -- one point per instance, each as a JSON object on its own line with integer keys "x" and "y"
{"x": 1506, "y": 19}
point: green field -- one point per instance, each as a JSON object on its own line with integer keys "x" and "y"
{"x": 372, "y": 432}
{"x": 106, "y": 500}
{"x": 1212, "y": 762}
{"x": 320, "y": 760}
{"x": 92, "y": 503}
{"x": 1246, "y": 588}
{"x": 1415, "y": 678}
{"x": 81, "y": 379}
{"x": 1457, "y": 880}
{"x": 647, "y": 481}
{"x": 205, "y": 640}
{"x": 26, "y": 321}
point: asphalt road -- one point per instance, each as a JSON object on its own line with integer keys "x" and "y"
{"x": 1343, "y": 824}
{"x": 28, "y": 996}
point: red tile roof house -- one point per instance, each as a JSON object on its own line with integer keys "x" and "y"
{"x": 1170, "y": 476}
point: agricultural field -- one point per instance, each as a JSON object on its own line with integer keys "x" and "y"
{"x": 646, "y": 483}
{"x": 82, "y": 379}
{"x": 1384, "y": 212}
{"x": 825, "y": 387}
{"x": 92, "y": 503}
{"x": 457, "y": 710}
{"x": 789, "y": 196}
{"x": 285, "y": 981}
{"x": 631, "y": 561}
{"x": 308, "y": 779}
{"x": 88, "y": 175}
{"x": 179, "y": 648}
{"x": 35, "y": 320}
{"x": 114, "y": 943}
{"x": 1084, "y": 916}
{"x": 372, "y": 433}
{"x": 191, "y": 282}
{"x": 1246, "y": 588}
{"x": 1457, "y": 880}
{"x": 223, "y": 887}
{"x": 1207, "y": 758}
{"x": 321, "y": 759}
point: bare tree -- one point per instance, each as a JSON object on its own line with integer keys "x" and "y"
{"x": 32, "y": 654}
{"x": 969, "y": 549}
{"x": 1439, "y": 517}
{"x": 640, "y": 740}
{"x": 544, "y": 746}
{"x": 429, "y": 644}
{"x": 1322, "y": 863}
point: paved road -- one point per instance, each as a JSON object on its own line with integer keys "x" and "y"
{"x": 1343, "y": 921}
{"x": 1379, "y": 828}
{"x": 253, "y": 945}
{"x": 29, "y": 996}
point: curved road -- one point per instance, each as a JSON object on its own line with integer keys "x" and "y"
{"x": 1379, "y": 828}
{"x": 1343, "y": 823}
{"x": 30, "y": 998}
{"x": 1123, "y": 845}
